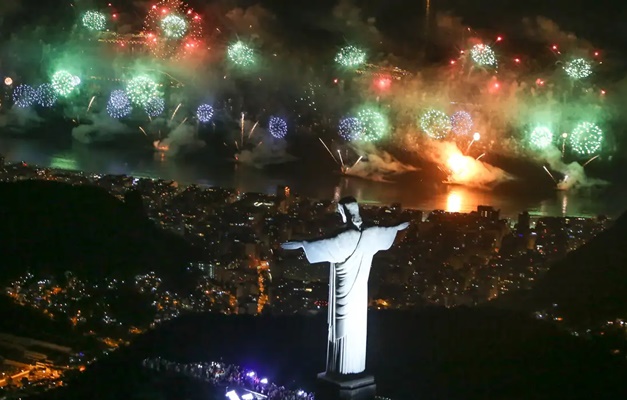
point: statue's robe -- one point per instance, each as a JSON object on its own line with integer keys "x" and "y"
{"x": 350, "y": 254}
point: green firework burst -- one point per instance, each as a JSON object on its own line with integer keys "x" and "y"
{"x": 174, "y": 26}
{"x": 64, "y": 82}
{"x": 586, "y": 138}
{"x": 142, "y": 90}
{"x": 436, "y": 124}
{"x": 374, "y": 123}
{"x": 350, "y": 57}
{"x": 579, "y": 68}
{"x": 241, "y": 54}
{"x": 94, "y": 21}
{"x": 483, "y": 55}
{"x": 541, "y": 137}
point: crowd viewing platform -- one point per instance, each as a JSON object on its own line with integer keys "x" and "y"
{"x": 237, "y": 382}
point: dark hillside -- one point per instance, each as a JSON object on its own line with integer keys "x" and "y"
{"x": 52, "y": 227}
{"x": 434, "y": 354}
{"x": 589, "y": 285}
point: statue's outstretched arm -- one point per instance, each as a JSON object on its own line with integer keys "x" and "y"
{"x": 402, "y": 226}
{"x": 335, "y": 249}
{"x": 382, "y": 237}
{"x": 292, "y": 245}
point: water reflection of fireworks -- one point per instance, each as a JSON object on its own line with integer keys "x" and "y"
{"x": 454, "y": 202}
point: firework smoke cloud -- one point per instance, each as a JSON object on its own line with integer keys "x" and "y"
{"x": 182, "y": 78}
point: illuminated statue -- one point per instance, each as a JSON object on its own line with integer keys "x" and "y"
{"x": 350, "y": 253}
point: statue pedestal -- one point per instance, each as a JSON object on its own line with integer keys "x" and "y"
{"x": 345, "y": 387}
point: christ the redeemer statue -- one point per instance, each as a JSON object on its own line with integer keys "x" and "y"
{"x": 350, "y": 253}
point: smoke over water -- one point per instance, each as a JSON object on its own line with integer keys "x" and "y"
{"x": 574, "y": 173}
{"x": 376, "y": 164}
{"x": 182, "y": 138}
{"x": 267, "y": 153}
{"x": 256, "y": 147}
{"x": 102, "y": 129}
{"x": 21, "y": 118}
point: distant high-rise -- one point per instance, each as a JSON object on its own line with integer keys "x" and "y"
{"x": 251, "y": 250}
{"x": 524, "y": 221}
{"x": 282, "y": 192}
{"x": 284, "y": 198}
{"x": 211, "y": 270}
{"x": 488, "y": 212}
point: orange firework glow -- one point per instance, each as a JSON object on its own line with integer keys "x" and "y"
{"x": 159, "y": 146}
{"x": 457, "y": 163}
{"x": 383, "y": 83}
{"x": 465, "y": 170}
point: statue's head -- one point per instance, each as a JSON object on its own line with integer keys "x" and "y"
{"x": 348, "y": 207}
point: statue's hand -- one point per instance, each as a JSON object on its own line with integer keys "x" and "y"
{"x": 292, "y": 245}
{"x": 402, "y": 226}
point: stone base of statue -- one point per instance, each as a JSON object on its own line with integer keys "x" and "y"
{"x": 345, "y": 387}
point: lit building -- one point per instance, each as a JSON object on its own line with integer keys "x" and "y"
{"x": 488, "y": 212}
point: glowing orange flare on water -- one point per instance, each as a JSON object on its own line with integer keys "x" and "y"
{"x": 457, "y": 163}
